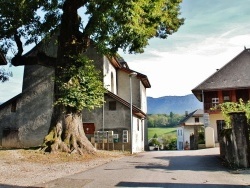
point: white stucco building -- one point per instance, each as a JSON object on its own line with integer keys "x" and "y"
{"x": 189, "y": 127}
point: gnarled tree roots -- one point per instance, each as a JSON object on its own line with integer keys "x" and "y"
{"x": 68, "y": 137}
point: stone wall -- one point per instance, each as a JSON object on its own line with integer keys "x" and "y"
{"x": 25, "y": 119}
{"x": 234, "y": 142}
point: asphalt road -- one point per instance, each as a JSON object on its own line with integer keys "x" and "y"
{"x": 175, "y": 169}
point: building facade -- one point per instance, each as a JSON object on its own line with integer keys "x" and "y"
{"x": 188, "y": 130}
{"x": 228, "y": 84}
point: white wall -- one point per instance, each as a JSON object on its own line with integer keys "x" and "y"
{"x": 192, "y": 120}
{"x": 124, "y": 88}
{"x": 110, "y": 76}
{"x": 213, "y": 118}
{"x": 138, "y": 135}
{"x": 143, "y": 97}
{"x": 188, "y": 130}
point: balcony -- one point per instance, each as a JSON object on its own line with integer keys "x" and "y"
{"x": 211, "y": 108}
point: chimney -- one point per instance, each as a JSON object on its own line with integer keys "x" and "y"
{"x": 186, "y": 113}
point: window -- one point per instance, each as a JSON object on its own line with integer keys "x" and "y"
{"x": 215, "y": 101}
{"x": 112, "y": 82}
{"x": 242, "y": 94}
{"x": 179, "y": 132}
{"x": 13, "y": 106}
{"x": 196, "y": 120}
{"x": 226, "y": 96}
{"x": 112, "y": 105}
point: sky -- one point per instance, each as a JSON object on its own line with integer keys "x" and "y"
{"x": 214, "y": 32}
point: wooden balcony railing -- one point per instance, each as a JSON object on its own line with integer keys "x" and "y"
{"x": 211, "y": 108}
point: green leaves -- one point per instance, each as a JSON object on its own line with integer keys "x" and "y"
{"x": 112, "y": 24}
{"x": 29, "y": 19}
{"x": 228, "y": 107}
{"x": 129, "y": 25}
{"x": 83, "y": 88}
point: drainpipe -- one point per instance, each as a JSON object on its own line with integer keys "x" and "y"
{"x": 131, "y": 75}
{"x": 202, "y": 95}
{"x": 103, "y": 124}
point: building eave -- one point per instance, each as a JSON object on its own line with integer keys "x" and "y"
{"x": 135, "y": 110}
{"x": 142, "y": 77}
{"x": 10, "y": 101}
{"x": 193, "y": 124}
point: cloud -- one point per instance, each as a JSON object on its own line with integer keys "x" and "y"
{"x": 178, "y": 71}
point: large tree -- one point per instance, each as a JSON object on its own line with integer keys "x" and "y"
{"x": 110, "y": 25}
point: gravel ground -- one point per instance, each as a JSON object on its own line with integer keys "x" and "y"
{"x": 31, "y": 167}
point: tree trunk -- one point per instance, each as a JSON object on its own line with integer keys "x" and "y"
{"x": 66, "y": 134}
{"x": 66, "y": 130}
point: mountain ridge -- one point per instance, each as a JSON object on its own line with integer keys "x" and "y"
{"x": 175, "y": 104}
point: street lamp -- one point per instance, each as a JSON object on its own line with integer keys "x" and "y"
{"x": 133, "y": 74}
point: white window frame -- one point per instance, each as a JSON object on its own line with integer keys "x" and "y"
{"x": 215, "y": 101}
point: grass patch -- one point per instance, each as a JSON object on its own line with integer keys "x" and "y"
{"x": 161, "y": 132}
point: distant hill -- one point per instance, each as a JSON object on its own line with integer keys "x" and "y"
{"x": 175, "y": 104}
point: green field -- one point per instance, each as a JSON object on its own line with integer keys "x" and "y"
{"x": 161, "y": 132}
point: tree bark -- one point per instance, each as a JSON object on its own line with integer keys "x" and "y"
{"x": 66, "y": 130}
{"x": 66, "y": 133}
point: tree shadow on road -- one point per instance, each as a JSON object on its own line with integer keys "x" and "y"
{"x": 176, "y": 185}
{"x": 195, "y": 163}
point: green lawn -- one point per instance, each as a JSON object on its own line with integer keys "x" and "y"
{"x": 161, "y": 132}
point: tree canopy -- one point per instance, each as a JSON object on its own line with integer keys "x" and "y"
{"x": 164, "y": 120}
{"x": 110, "y": 24}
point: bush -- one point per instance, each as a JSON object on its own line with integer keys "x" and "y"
{"x": 155, "y": 136}
{"x": 171, "y": 145}
{"x": 155, "y": 142}
{"x": 201, "y": 138}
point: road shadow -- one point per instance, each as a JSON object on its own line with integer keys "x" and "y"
{"x": 195, "y": 163}
{"x": 16, "y": 186}
{"x": 186, "y": 162}
{"x": 177, "y": 185}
